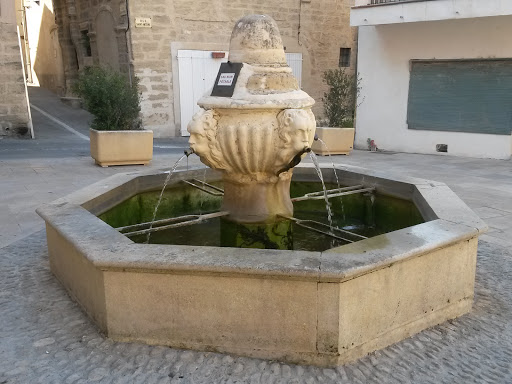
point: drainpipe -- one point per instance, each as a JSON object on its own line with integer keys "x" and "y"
{"x": 128, "y": 42}
{"x": 29, "y": 123}
{"x": 25, "y": 40}
{"x": 354, "y": 119}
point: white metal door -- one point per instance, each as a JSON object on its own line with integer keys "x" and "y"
{"x": 294, "y": 60}
{"x": 197, "y": 73}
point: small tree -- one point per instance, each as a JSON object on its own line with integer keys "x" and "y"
{"x": 108, "y": 95}
{"x": 339, "y": 100}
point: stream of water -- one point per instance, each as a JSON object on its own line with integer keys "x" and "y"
{"x": 201, "y": 195}
{"x": 335, "y": 175}
{"x": 327, "y": 202}
{"x": 169, "y": 174}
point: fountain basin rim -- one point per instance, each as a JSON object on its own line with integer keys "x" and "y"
{"x": 321, "y": 308}
{"x": 107, "y": 249}
{"x": 335, "y": 265}
{"x": 295, "y": 99}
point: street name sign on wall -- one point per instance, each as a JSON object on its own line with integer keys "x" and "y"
{"x": 143, "y": 22}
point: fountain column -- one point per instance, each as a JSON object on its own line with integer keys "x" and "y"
{"x": 255, "y": 124}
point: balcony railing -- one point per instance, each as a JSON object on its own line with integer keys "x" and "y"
{"x": 373, "y": 2}
{"x": 380, "y": 12}
{"x": 385, "y": 1}
{"x": 360, "y": 3}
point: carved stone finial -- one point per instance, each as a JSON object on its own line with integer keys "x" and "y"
{"x": 256, "y": 40}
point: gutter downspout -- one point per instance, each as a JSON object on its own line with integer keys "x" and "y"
{"x": 29, "y": 123}
{"x": 128, "y": 42}
{"x": 25, "y": 41}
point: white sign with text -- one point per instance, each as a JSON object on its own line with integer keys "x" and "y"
{"x": 226, "y": 79}
{"x": 143, "y": 22}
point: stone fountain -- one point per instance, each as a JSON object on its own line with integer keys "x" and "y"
{"x": 257, "y": 134}
{"x": 309, "y": 307}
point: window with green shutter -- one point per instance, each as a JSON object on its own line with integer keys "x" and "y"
{"x": 461, "y": 96}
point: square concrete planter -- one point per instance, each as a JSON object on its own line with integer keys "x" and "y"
{"x": 121, "y": 147}
{"x": 339, "y": 141}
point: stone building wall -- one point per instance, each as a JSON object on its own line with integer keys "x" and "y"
{"x": 14, "y": 118}
{"x": 91, "y": 33}
{"x": 315, "y": 28}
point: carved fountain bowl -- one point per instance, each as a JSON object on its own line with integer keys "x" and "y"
{"x": 253, "y": 149}
{"x": 323, "y": 308}
{"x": 251, "y": 143}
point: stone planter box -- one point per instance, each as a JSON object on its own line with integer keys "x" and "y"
{"x": 121, "y": 147}
{"x": 339, "y": 141}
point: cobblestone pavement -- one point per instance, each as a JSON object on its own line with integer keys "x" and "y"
{"x": 46, "y": 338}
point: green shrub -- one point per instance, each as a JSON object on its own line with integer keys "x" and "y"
{"x": 108, "y": 95}
{"x": 339, "y": 100}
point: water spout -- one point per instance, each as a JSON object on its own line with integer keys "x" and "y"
{"x": 188, "y": 152}
{"x": 295, "y": 161}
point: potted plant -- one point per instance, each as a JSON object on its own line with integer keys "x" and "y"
{"x": 339, "y": 106}
{"x": 116, "y": 134}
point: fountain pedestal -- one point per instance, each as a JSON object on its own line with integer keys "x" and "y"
{"x": 257, "y": 202}
{"x": 275, "y": 235}
{"x": 256, "y": 135}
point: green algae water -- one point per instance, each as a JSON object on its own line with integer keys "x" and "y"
{"x": 364, "y": 214}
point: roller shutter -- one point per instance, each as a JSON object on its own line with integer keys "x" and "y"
{"x": 461, "y": 96}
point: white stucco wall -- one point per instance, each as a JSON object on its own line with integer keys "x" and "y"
{"x": 384, "y": 55}
{"x": 406, "y": 12}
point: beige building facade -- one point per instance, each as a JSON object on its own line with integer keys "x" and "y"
{"x": 14, "y": 113}
{"x": 176, "y": 46}
{"x": 42, "y": 55}
{"x": 79, "y": 23}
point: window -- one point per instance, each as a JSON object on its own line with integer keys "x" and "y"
{"x": 86, "y": 42}
{"x": 344, "y": 57}
{"x": 461, "y": 96}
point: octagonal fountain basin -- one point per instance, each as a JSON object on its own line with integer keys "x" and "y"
{"x": 407, "y": 262}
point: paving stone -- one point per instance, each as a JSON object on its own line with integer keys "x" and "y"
{"x": 45, "y": 338}
{"x": 486, "y": 212}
